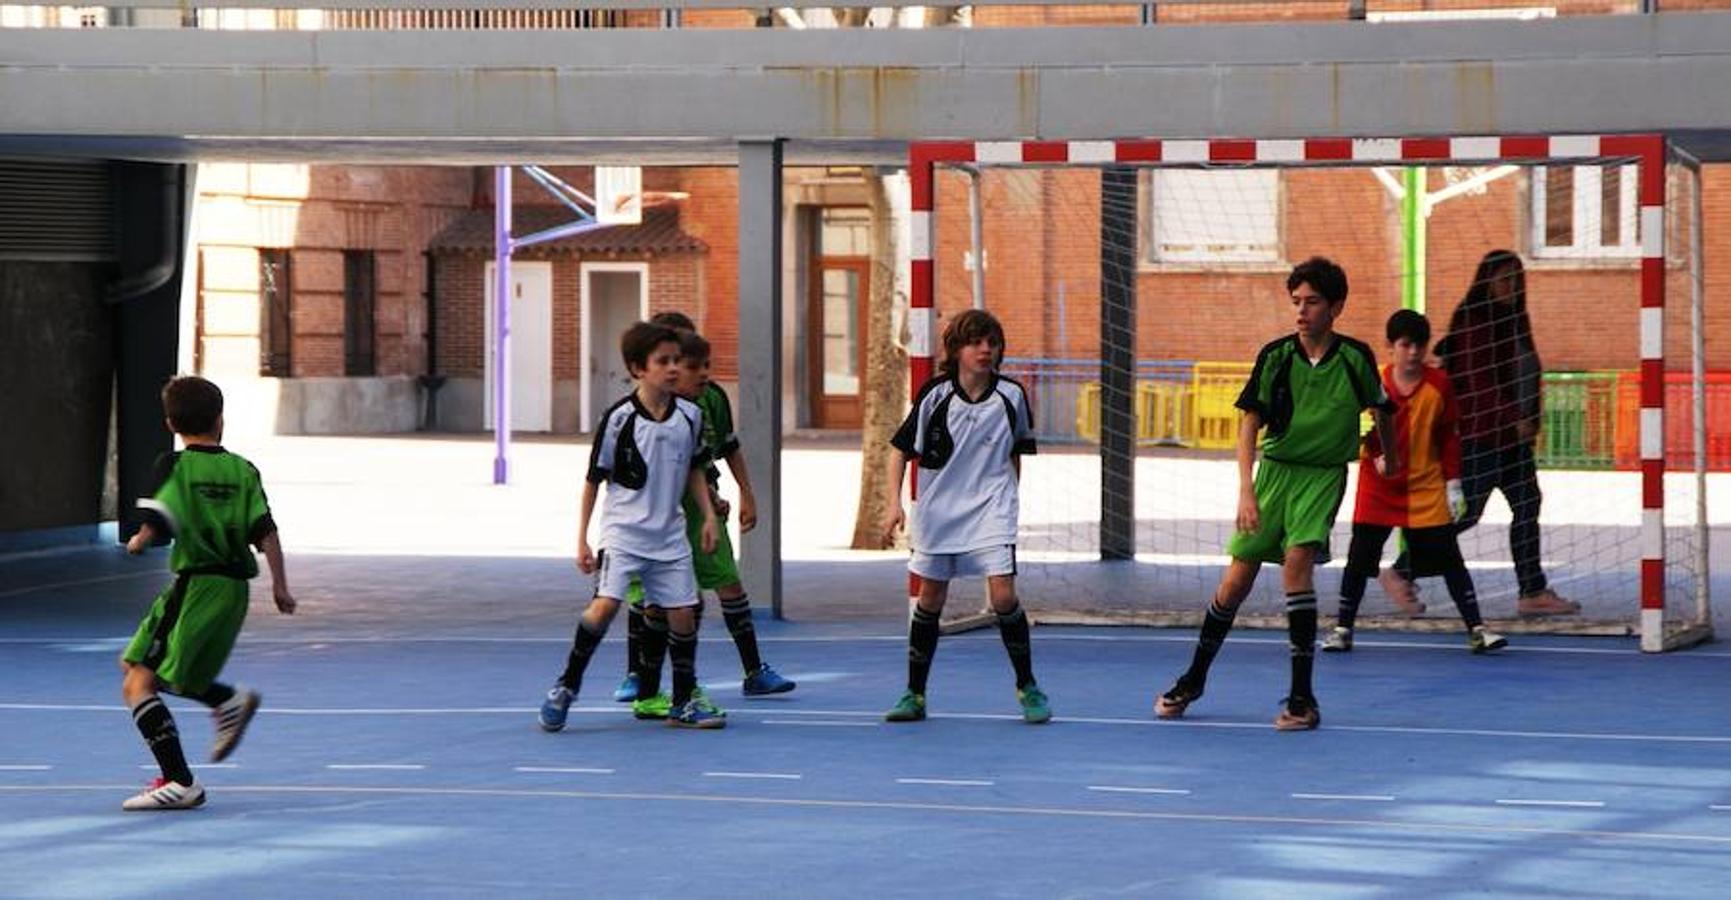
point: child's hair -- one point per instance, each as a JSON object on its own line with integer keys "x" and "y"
{"x": 192, "y": 405}
{"x": 640, "y": 340}
{"x": 1322, "y": 275}
{"x": 967, "y": 328}
{"x": 674, "y": 319}
{"x": 693, "y": 347}
{"x": 1409, "y": 324}
{"x": 1513, "y": 329}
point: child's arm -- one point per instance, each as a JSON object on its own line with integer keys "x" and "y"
{"x": 279, "y": 589}
{"x": 1388, "y": 464}
{"x": 747, "y": 499}
{"x": 585, "y": 509}
{"x": 1249, "y": 518}
{"x": 141, "y": 539}
{"x": 699, "y": 488}
{"x": 894, "y": 516}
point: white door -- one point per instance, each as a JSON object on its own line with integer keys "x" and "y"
{"x": 531, "y": 346}
{"x": 616, "y": 300}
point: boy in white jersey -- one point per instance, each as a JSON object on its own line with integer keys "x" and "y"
{"x": 649, "y": 449}
{"x": 968, "y": 429}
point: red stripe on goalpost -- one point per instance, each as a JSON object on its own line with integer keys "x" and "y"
{"x": 1046, "y": 151}
{"x": 1426, "y": 148}
{"x": 1138, "y": 151}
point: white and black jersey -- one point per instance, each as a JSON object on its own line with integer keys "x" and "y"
{"x": 966, "y": 481}
{"x": 646, "y": 463}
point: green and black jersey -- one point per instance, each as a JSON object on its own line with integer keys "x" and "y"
{"x": 718, "y": 437}
{"x": 212, "y": 502}
{"x": 1310, "y": 410}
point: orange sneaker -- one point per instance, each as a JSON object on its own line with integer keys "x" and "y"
{"x": 1172, "y": 704}
{"x": 1546, "y": 603}
{"x": 1401, "y": 592}
{"x": 1298, "y": 714}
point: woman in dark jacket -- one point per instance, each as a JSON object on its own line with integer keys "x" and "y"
{"x": 1494, "y": 368}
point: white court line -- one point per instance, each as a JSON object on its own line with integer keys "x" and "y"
{"x": 1115, "y": 789}
{"x": 154, "y": 573}
{"x": 822, "y": 724}
{"x": 25, "y": 768}
{"x": 1573, "y": 804}
{"x": 1419, "y": 828}
{"x": 1257, "y": 724}
{"x": 781, "y": 776}
{"x": 955, "y": 782}
{"x": 567, "y": 770}
{"x": 1380, "y": 798}
{"x": 1045, "y": 636}
{"x": 1721, "y": 807}
{"x": 399, "y": 767}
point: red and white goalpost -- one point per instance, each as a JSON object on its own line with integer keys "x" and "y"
{"x": 1648, "y": 153}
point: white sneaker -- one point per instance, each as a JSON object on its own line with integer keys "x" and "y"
{"x": 1338, "y": 641}
{"x": 164, "y": 794}
{"x": 231, "y": 721}
{"x": 1484, "y": 640}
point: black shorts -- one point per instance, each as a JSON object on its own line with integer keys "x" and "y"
{"x": 1433, "y": 551}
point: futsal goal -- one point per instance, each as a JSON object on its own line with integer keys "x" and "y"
{"x": 1136, "y": 280}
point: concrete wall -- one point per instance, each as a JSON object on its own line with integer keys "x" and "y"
{"x": 262, "y": 406}
{"x": 56, "y": 361}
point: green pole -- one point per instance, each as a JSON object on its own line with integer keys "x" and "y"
{"x": 1412, "y": 220}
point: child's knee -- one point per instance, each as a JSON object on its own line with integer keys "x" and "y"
{"x": 1001, "y": 591}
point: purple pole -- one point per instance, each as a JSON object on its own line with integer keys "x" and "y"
{"x": 502, "y": 324}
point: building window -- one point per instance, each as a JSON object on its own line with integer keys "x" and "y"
{"x": 1207, "y": 216}
{"x": 360, "y": 298}
{"x": 276, "y": 326}
{"x": 1585, "y": 211}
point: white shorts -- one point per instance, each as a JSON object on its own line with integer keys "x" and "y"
{"x": 986, "y": 561}
{"x": 667, "y": 583}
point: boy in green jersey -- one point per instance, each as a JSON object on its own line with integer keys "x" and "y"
{"x": 1307, "y": 390}
{"x": 717, "y": 572}
{"x": 212, "y": 503}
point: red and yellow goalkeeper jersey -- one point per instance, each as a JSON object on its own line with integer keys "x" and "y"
{"x": 1427, "y": 439}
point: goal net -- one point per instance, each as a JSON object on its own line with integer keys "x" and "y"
{"x": 1137, "y": 280}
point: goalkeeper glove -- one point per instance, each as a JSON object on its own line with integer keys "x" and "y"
{"x": 1457, "y": 499}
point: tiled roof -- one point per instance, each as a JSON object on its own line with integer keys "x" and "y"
{"x": 658, "y": 233}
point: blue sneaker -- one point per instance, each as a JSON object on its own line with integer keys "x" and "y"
{"x": 697, "y": 714}
{"x": 766, "y": 681}
{"x": 1036, "y": 709}
{"x": 553, "y": 708}
{"x": 627, "y": 689}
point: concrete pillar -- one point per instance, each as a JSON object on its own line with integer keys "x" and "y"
{"x": 1117, "y": 363}
{"x": 760, "y": 382}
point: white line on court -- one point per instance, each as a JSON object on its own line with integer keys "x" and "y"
{"x": 1255, "y": 724}
{"x": 397, "y": 767}
{"x": 822, "y": 724}
{"x": 1380, "y": 798}
{"x": 1420, "y": 828}
{"x": 1045, "y": 636}
{"x": 1573, "y": 804}
{"x": 770, "y": 776}
{"x": 1116, "y": 789}
{"x": 954, "y": 782}
{"x": 565, "y": 770}
{"x": 1721, "y": 807}
{"x": 153, "y": 573}
{"x": 25, "y": 768}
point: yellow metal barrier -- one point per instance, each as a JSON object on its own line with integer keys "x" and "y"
{"x": 1088, "y": 412}
{"x": 1162, "y": 412}
{"x": 1214, "y": 388}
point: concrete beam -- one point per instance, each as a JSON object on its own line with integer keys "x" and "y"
{"x": 397, "y": 90}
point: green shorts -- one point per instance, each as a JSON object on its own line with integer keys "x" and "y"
{"x": 1296, "y": 504}
{"x": 714, "y": 570}
{"x": 190, "y": 630}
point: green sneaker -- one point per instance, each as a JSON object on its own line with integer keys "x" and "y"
{"x": 910, "y": 708}
{"x": 1036, "y": 709}
{"x": 656, "y": 707}
{"x": 701, "y": 701}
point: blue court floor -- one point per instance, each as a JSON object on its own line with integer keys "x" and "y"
{"x": 397, "y": 755}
